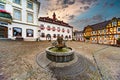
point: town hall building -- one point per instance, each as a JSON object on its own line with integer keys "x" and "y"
{"x": 50, "y": 28}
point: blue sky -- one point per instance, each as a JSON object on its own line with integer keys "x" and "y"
{"x": 80, "y": 13}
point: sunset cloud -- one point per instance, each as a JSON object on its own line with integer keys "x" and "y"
{"x": 65, "y": 10}
{"x": 80, "y": 13}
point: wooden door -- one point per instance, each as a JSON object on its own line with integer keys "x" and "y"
{"x": 3, "y": 32}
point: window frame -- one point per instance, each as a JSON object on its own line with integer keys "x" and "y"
{"x": 31, "y": 13}
{"x": 17, "y": 28}
{"x": 3, "y": 5}
{"x": 42, "y": 35}
{"x": 20, "y": 14}
{"x": 118, "y": 29}
{"x": 28, "y": 33}
{"x": 17, "y": 3}
{"x": 28, "y": 1}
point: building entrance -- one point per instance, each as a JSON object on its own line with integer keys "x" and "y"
{"x": 3, "y": 32}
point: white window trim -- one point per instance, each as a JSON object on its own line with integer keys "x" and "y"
{"x": 32, "y": 17}
{"x": 20, "y": 14}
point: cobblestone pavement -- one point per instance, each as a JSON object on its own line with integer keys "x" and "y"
{"x": 17, "y": 59}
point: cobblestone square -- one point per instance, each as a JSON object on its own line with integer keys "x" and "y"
{"x": 18, "y": 60}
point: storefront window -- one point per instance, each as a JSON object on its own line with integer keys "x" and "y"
{"x": 17, "y": 31}
{"x": 29, "y": 33}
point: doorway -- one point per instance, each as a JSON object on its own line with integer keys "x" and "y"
{"x": 3, "y": 32}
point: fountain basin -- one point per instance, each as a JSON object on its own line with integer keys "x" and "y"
{"x": 64, "y": 56}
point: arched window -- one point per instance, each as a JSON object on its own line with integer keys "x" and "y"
{"x": 70, "y": 36}
{"x": 48, "y": 37}
{"x": 66, "y": 37}
{"x": 29, "y": 33}
{"x": 42, "y": 34}
{"x": 48, "y": 28}
{"x": 17, "y": 31}
{"x": 42, "y": 27}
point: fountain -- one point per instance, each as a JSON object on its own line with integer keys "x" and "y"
{"x": 65, "y": 63}
{"x": 59, "y": 52}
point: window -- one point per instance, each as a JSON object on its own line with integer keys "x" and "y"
{"x": 48, "y": 28}
{"x": 42, "y": 34}
{"x": 29, "y": 33}
{"x": 63, "y": 30}
{"x": 58, "y": 29}
{"x": 29, "y": 4}
{"x": 30, "y": 17}
{"x": 17, "y": 14}
{"x": 2, "y": 6}
{"x": 17, "y": 1}
{"x": 58, "y": 35}
{"x": 42, "y": 27}
{"x": 54, "y": 35}
{"x": 114, "y": 23}
{"x": 17, "y": 31}
{"x": 119, "y": 29}
{"x": 68, "y": 30}
{"x": 70, "y": 36}
{"x": 53, "y": 28}
{"x": 62, "y": 36}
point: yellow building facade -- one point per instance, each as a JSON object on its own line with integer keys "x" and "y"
{"x": 106, "y": 32}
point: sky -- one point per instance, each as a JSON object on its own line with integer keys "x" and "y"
{"x": 80, "y": 13}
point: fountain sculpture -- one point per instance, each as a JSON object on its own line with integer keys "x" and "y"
{"x": 59, "y": 52}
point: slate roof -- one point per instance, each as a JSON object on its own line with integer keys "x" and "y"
{"x": 98, "y": 26}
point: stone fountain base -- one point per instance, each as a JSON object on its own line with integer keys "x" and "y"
{"x": 60, "y": 56}
{"x": 80, "y": 68}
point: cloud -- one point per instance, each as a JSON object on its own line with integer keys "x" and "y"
{"x": 88, "y": 21}
{"x": 65, "y": 10}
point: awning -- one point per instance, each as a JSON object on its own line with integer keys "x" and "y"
{"x": 5, "y": 16}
